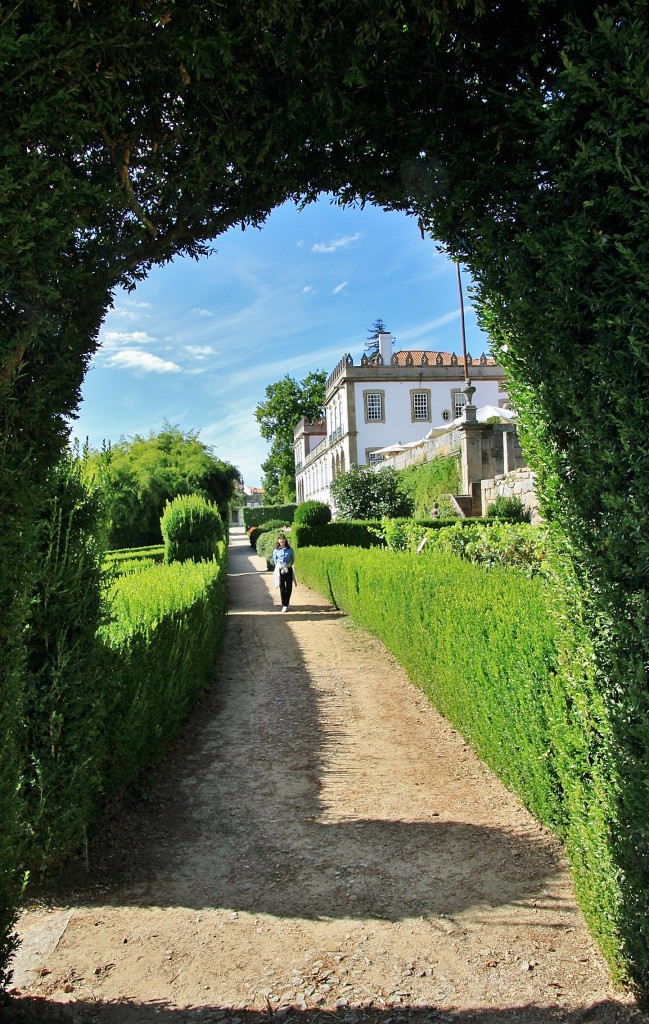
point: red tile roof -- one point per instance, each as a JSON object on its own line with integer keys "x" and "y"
{"x": 432, "y": 358}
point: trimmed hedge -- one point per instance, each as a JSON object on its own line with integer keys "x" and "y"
{"x": 167, "y": 627}
{"x": 149, "y": 661}
{"x": 500, "y": 658}
{"x": 272, "y": 526}
{"x": 362, "y": 533}
{"x": 191, "y": 528}
{"x": 258, "y": 516}
{"x": 312, "y": 513}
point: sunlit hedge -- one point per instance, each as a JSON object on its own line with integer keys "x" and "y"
{"x": 497, "y": 654}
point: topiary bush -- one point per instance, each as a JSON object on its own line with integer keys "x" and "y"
{"x": 312, "y": 513}
{"x": 191, "y": 529}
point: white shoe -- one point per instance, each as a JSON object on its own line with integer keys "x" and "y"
{"x": 284, "y": 607}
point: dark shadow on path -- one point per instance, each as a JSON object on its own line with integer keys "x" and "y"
{"x": 38, "y": 1011}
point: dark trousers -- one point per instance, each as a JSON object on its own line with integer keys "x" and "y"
{"x": 286, "y": 586}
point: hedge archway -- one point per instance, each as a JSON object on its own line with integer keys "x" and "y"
{"x": 514, "y": 133}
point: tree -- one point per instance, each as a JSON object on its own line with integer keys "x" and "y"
{"x": 139, "y": 475}
{"x": 372, "y": 344}
{"x": 362, "y": 493}
{"x": 287, "y": 401}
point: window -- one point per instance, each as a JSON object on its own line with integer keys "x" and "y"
{"x": 373, "y": 458}
{"x": 420, "y": 406}
{"x": 458, "y": 398}
{"x": 374, "y": 406}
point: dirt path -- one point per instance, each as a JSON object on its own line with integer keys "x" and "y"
{"x": 321, "y": 843}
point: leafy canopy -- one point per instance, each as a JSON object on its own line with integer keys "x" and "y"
{"x": 139, "y": 475}
{"x": 362, "y": 493}
{"x": 287, "y": 401}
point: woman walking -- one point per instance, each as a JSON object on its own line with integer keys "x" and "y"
{"x": 284, "y": 557}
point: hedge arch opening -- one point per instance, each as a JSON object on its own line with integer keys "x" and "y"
{"x": 515, "y": 134}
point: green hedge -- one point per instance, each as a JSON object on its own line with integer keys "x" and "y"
{"x": 514, "y": 674}
{"x": 166, "y": 631}
{"x": 88, "y": 740}
{"x": 191, "y": 528}
{"x": 258, "y": 516}
{"x": 362, "y": 533}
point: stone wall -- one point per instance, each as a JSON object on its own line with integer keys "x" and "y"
{"x": 517, "y": 484}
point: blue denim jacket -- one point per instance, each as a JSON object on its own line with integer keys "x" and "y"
{"x": 283, "y": 556}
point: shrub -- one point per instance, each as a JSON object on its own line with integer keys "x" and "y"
{"x": 510, "y": 510}
{"x": 272, "y": 526}
{"x": 362, "y": 493}
{"x": 65, "y": 673}
{"x": 191, "y": 528}
{"x": 160, "y": 645}
{"x": 359, "y": 535}
{"x": 429, "y": 482}
{"x": 258, "y": 516}
{"x": 312, "y": 513}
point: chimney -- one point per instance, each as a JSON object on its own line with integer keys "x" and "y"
{"x": 385, "y": 348}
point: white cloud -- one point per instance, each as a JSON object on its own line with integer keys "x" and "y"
{"x": 308, "y": 289}
{"x": 135, "y": 359}
{"x": 337, "y": 243}
{"x": 129, "y": 309}
{"x": 114, "y": 339}
{"x": 340, "y": 287}
{"x": 202, "y": 312}
{"x": 200, "y": 351}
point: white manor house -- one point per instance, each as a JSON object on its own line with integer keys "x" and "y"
{"x": 394, "y": 399}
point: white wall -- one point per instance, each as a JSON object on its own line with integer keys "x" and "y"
{"x": 398, "y": 425}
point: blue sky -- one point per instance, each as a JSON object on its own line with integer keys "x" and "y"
{"x": 198, "y": 342}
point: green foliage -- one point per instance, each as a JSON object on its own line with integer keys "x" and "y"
{"x": 371, "y": 349}
{"x": 166, "y": 629}
{"x": 510, "y": 510}
{"x": 362, "y": 493}
{"x": 480, "y": 645}
{"x": 271, "y": 526}
{"x": 191, "y": 528}
{"x": 124, "y": 560}
{"x": 257, "y": 516}
{"x": 138, "y": 476}
{"x": 64, "y": 667}
{"x": 508, "y": 544}
{"x": 312, "y": 513}
{"x": 342, "y": 532}
{"x": 429, "y": 482}
{"x": 287, "y": 401}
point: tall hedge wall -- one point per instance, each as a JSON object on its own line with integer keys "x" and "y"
{"x": 258, "y": 516}
{"x": 99, "y": 713}
{"x": 509, "y": 668}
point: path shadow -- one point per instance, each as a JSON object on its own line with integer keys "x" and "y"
{"x": 39, "y": 1011}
